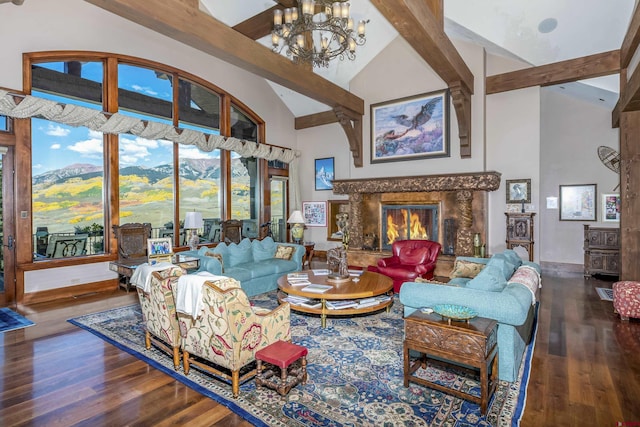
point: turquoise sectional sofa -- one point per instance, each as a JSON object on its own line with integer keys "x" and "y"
{"x": 504, "y": 289}
{"x": 252, "y": 262}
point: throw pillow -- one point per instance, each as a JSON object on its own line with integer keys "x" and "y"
{"x": 284, "y": 252}
{"x": 216, "y": 256}
{"x": 466, "y": 269}
{"x": 489, "y": 279}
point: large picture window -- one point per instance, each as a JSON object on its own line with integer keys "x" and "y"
{"x": 158, "y": 181}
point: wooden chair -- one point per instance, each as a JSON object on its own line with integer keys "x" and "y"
{"x": 231, "y": 231}
{"x": 132, "y": 239}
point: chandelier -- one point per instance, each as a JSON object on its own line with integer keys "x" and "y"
{"x": 317, "y": 36}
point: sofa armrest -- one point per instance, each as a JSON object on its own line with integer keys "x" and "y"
{"x": 210, "y": 264}
{"x": 388, "y": 261}
{"x": 298, "y": 254}
{"x": 510, "y": 306}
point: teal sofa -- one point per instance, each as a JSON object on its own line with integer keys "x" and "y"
{"x": 504, "y": 290}
{"x": 252, "y": 262}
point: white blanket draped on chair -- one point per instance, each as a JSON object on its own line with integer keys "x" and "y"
{"x": 142, "y": 276}
{"x": 189, "y": 292}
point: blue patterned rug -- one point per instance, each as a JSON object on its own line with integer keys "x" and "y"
{"x": 355, "y": 369}
{"x": 10, "y": 320}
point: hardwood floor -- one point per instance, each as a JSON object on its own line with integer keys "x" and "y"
{"x": 585, "y": 370}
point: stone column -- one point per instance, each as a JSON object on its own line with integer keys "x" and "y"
{"x": 355, "y": 221}
{"x": 464, "y": 239}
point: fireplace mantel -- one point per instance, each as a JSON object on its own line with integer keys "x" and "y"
{"x": 463, "y": 185}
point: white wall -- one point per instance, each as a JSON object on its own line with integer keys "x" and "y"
{"x": 571, "y": 131}
{"x": 44, "y": 25}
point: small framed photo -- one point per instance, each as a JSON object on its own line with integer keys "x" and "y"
{"x": 324, "y": 173}
{"x": 611, "y": 207}
{"x": 578, "y": 202}
{"x": 315, "y": 214}
{"x": 159, "y": 247}
{"x": 518, "y": 191}
{"x": 411, "y": 128}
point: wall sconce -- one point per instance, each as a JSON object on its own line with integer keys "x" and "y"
{"x": 297, "y": 226}
{"x": 193, "y": 221}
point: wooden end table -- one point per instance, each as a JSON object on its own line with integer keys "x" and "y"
{"x": 126, "y": 266}
{"x": 472, "y": 343}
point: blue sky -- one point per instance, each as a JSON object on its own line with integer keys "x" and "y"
{"x": 56, "y": 145}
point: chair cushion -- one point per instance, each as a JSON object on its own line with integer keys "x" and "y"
{"x": 490, "y": 279}
{"x": 411, "y": 256}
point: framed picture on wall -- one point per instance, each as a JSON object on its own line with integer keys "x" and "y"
{"x": 415, "y": 127}
{"x": 578, "y": 202}
{"x": 611, "y": 207}
{"x": 315, "y": 214}
{"x": 324, "y": 173}
{"x": 518, "y": 191}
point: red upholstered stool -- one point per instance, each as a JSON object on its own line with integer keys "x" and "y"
{"x": 292, "y": 361}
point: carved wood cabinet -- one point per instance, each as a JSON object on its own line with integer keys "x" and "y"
{"x": 601, "y": 250}
{"x": 520, "y": 231}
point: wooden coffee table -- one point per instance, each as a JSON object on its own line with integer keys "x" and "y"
{"x": 369, "y": 285}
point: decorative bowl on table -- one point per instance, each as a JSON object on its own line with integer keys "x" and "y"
{"x": 454, "y": 312}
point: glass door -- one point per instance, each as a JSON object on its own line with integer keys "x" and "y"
{"x": 278, "y": 208}
{"x": 7, "y": 227}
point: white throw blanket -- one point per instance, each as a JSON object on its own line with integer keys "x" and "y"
{"x": 529, "y": 278}
{"x": 142, "y": 276}
{"x": 189, "y": 293}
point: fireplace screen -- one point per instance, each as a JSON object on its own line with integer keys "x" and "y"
{"x": 409, "y": 222}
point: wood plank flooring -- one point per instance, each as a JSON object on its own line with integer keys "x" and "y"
{"x": 585, "y": 370}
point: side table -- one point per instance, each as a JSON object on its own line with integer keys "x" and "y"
{"x": 126, "y": 266}
{"x": 472, "y": 344}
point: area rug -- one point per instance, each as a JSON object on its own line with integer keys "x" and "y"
{"x": 605, "y": 294}
{"x": 355, "y": 369}
{"x": 10, "y": 320}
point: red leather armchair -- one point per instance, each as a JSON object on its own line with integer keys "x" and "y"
{"x": 411, "y": 259}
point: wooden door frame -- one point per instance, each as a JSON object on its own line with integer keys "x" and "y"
{"x": 8, "y": 298}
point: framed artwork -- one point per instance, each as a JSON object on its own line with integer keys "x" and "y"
{"x": 315, "y": 214}
{"x": 159, "y": 247}
{"x": 324, "y": 173}
{"x": 578, "y": 202}
{"x": 415, "y": 127}
{"x": 611, "y": 207}
{"x": 518, "y": 190}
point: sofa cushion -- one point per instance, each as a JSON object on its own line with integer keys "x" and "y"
{"x": 284, "y": 252}
{"x": 512, "y": 257}
{"x": 263, "y": 249}
{"x": 500, "y": 261}
{"x": 239, "y": 273}
{"x": 491, "y": 279}
{"x": 239, "y": 253}
{"x": 463, "y": 268}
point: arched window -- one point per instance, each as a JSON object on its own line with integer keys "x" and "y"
{"x": 81, "y": 178}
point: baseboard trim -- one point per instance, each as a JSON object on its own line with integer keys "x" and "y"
{"x": 70, "y": 292}
{"x": 560, "y": 269}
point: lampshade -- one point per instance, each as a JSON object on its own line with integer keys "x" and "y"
{"x": 193, "y": 220}
{"x": 296, "y": 218}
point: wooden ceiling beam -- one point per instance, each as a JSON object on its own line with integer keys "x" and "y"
{"x": 586, "y": 67}
{"x": 200, "y": 31}
{"x": 421, "y": 24}
{"x": 260, "y": 25}
{"x": 631, "y": 40}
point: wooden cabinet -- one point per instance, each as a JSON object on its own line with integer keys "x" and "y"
{"x": 601, "y": 251}
{"x": 520, "y": 231}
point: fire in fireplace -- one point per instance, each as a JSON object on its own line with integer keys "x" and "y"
{"x": 409, "y": 222}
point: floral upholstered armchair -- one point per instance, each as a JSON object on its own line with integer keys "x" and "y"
{"x": 230, "y": 331}
{"x": 159, "y": 312}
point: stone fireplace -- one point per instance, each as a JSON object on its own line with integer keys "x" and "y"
{"x": 456, "y": 205}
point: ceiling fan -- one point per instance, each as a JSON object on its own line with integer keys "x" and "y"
{"x": 611, "y": 159}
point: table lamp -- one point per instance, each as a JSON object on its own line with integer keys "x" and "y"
{"x": 297, "y": 226}
{"x": 193, "y": 221}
